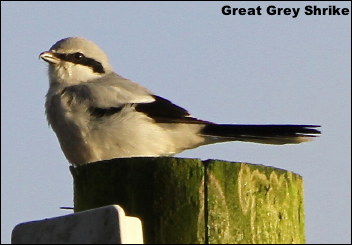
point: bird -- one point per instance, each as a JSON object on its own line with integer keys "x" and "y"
{"x": 99, "y": 115}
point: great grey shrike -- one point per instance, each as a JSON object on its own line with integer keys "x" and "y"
{"x": 99, "y": 115}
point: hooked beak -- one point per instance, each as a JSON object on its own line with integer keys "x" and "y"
{"x": 49, "y": 57}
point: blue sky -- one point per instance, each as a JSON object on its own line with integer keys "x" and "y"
{"x": 225, "y": 69}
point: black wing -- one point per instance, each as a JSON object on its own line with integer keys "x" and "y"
{"x": 103, "y": 112}
{"x": 164, "y": 111}
{"x": 161, "y": 110}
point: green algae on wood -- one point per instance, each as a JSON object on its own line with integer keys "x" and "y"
{"x": 192, "y": 201}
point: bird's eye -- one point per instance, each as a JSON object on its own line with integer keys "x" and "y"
{"x": 78, "y": 56}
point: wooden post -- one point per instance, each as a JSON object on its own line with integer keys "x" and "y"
{"x": 192, "y": 201}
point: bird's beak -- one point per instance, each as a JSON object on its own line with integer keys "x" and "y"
{"x": 49, "y": 57}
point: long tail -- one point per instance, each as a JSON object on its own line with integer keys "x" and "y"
{"x": 264, "y": 134}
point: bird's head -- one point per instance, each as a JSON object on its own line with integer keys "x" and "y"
{"x": 75, "y": 60}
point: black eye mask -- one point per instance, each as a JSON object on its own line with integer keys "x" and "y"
{"x": 79, "y": 58}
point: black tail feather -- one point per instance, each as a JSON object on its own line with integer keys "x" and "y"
{"x": 270, "y": 134}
